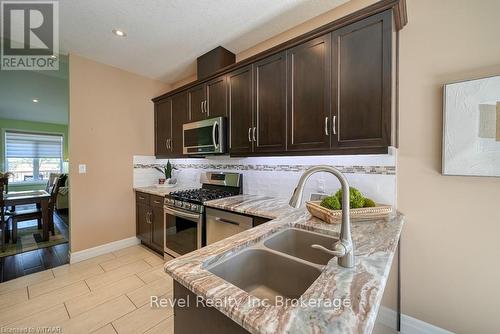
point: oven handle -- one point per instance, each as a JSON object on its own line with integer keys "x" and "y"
{"x": 214, "y": 138}
{"x": 181, "y": 214}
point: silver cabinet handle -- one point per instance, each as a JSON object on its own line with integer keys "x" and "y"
{"x": 166, "y": 143}
{"x": 206, "y": 107}
{"x": 201, "y": 106}
{"x": 214, "y": 137}
{"x": 326, "y": 126}
{"x": 334, "y": 125}
{"x": 249, "y": 138}
{"x": 254, "y": 135}
{"x": 222, "y": 220}
{"x": 182, "y": 214}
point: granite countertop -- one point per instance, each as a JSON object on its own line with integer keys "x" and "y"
{"x": 375, "y": 243}
{"x": 161, "y": 191}
{"x": 254, "y": 205}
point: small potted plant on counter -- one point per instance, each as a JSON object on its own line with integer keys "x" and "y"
{"x": 167, "y": 171}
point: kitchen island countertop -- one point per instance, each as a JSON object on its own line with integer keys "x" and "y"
{"x": 363, "y": 286}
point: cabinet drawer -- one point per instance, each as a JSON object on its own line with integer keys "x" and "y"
{"x": 156, "y": 201}
{"x": 142, "y": 198}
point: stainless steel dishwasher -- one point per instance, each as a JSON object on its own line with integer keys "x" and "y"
{"x": 223, "y": 224}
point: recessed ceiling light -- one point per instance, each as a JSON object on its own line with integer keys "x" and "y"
{"x": 35, "y": 100}
{"x": 119, "y": 33}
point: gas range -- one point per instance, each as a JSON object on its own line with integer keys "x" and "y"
{"x": 192, "y": 199}
{"x": 184, "y": 221}
{"x": 215, "y": 185}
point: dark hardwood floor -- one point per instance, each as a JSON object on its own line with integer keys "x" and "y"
{"x": 36, "y": 260}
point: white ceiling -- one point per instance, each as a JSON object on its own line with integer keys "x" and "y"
{"x": 166, "y": 36}
{"x": 51, "y": 88}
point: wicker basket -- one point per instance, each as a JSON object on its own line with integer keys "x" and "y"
{"x": 335, "y": 216}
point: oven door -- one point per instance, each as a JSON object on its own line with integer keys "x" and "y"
{"x": 183, "y": 231}
{"x": 205, "y": 137}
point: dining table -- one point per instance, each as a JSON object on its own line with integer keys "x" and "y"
{"x": 41, "y": 197}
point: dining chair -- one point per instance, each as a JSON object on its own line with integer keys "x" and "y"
{"x": 4, "y": 218}
{"x": 19, "y": 216}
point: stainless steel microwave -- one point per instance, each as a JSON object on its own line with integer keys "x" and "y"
{"x": 205, "y": 137}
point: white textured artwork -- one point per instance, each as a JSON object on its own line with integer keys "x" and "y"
{"x": 471, "y": 139}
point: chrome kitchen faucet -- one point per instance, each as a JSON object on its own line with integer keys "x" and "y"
{"x": 343, "y": 249}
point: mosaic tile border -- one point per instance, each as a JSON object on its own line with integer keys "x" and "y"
{"x": 378, "y": 170}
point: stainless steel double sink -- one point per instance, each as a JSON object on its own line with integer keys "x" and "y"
{"x": 284, "y": 264}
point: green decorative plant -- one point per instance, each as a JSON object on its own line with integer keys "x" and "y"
{"x": 356, "y": 199}
{"x": 369, "y": 203}
{"x": 167, "y": 171}
{"x": 331, "y": 202}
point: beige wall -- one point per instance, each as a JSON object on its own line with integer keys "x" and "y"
{"x": 449, "y": 275}
{"x": 111, "y": 119}
{"x": 451, "y": 242}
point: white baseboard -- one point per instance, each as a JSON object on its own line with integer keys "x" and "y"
{"x": 102, "y": 249}
{"x": 409, "y": 325}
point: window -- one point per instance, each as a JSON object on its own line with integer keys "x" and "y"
{"x": 31, "y": 157}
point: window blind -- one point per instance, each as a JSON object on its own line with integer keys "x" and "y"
{"x": 32, "y": 145}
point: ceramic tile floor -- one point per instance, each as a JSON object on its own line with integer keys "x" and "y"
{"x": 106, "y": 294}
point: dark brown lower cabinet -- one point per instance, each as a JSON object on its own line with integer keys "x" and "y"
{"x": 142, "y": 217}
{"x": 196, "y": 319}
{"x": 149, "y": 221}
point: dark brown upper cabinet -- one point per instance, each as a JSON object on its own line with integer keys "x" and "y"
{"x": 179, "y": 117}
{"x": 208, "y": 100}
{"x": 197, "y": 100}
{"x": 361, "y": 83}
{"x": 240, "y": 92}
{"x": 308, "y": 95}
{"x": 328, "y": 91}
{"x": 216, "y": 102}
{"x": 163, "y": 127}
{"x": 269, "y": 121}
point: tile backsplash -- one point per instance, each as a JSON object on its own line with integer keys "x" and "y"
{"x": 374, "y": 175}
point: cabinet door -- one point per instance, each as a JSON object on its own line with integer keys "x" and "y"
{"x": 196, "y": 97}
{"x": 143, "y": 228}
{"x": 240, "y": 110}
{"x": 179, "y": 117}
{"x": 216, "y": 97}
{"x": 157, "y": 228}
{"x": 270, "y": 104}
{"x": 362, "y": 83}
{"x": 163, "y": 127}
{"x": 309, "y": 95}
